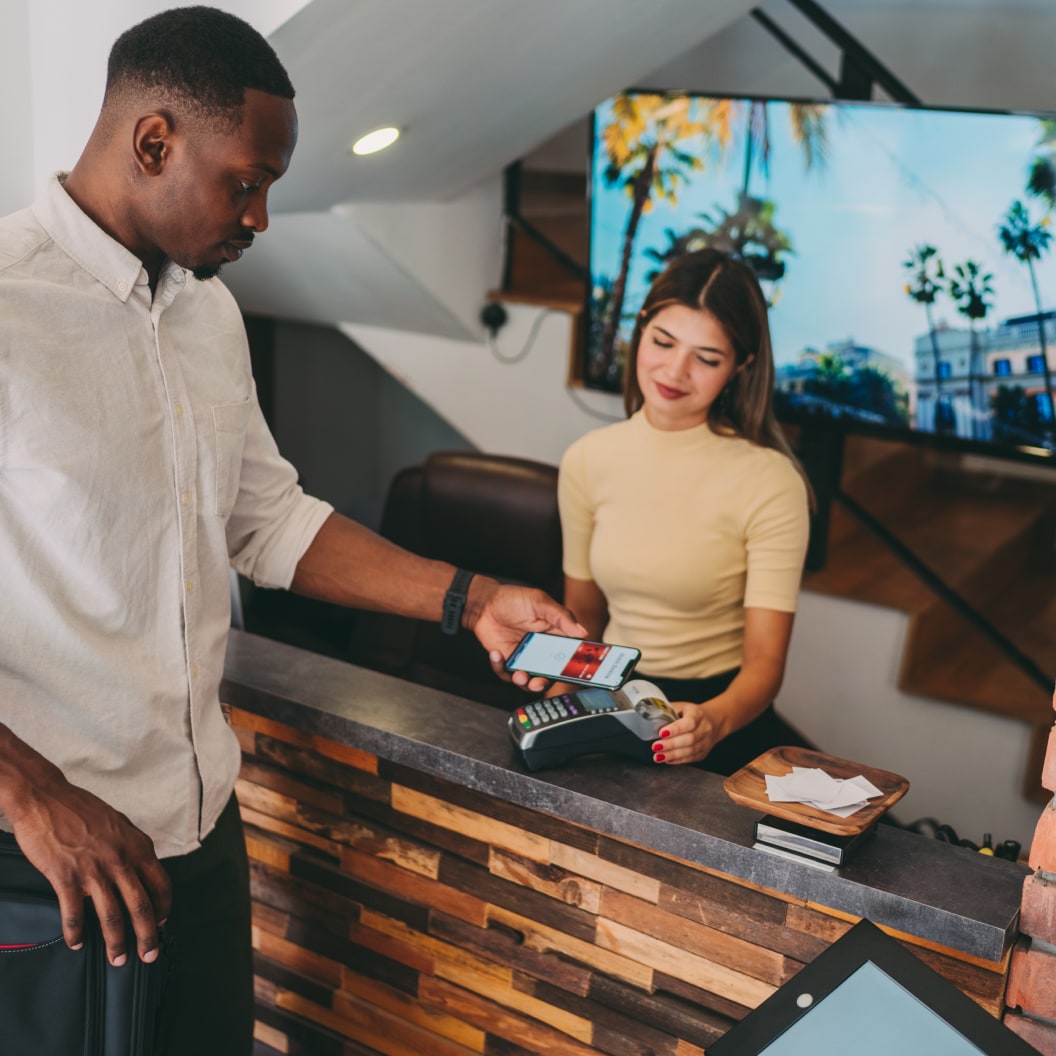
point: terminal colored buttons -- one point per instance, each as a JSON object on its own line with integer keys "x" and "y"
{"x": 550, "y": 710}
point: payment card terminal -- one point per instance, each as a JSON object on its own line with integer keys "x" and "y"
{"x": 623, "y": 721}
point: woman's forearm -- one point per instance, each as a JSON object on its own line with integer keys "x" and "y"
{"x": 747, "y": 696}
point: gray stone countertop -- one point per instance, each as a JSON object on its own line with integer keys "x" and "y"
{"x": 944, "y": 894}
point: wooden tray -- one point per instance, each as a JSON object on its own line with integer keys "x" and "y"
{"x": 748, "y": 787}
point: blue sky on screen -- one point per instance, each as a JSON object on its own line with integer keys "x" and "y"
{"x": 894, "y": 178}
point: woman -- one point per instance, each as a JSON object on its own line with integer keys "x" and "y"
{"x": 685, "y": 527}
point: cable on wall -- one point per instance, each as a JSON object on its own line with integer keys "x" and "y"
{"x": 494, "y": 317}
{"x": 587, "y": 409}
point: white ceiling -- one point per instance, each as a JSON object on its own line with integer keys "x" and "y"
{"x": 474, "y": 84}
{"x": 320, "y": 267}
{"x": 478, "y": 84}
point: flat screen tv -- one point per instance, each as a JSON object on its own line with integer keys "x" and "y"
{"x": 907, "y": 253}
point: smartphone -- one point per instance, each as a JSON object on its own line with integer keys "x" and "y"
{"x": 574, "y": 660}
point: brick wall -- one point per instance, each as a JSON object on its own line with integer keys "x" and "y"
{"x": 1031, "y": 996}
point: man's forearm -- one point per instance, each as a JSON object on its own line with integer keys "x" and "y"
{"x": 348, "y": 564}
{"x": 22, "y": 771}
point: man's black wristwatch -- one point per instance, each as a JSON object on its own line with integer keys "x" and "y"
{"x": 455, "y": 602}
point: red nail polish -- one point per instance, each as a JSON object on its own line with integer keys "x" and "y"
{"x": 665, "y": 733}
{"x": 659, "y": 757}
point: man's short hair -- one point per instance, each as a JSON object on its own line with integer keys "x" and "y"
{"x": 206, "y": 56}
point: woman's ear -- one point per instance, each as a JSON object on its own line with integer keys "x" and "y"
{"x": 745, "y": 365}
{"x": 150, "y": 143}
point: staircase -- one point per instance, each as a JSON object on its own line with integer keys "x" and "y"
{"x": 553, "y": 204}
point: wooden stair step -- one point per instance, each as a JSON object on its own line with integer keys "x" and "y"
{"x": 555, "y": 204}
{"x": 950, "y": 529}
{"x": 1027, "y": 615}
{"x": 888, "y": 485}
{"x": 860, "y": 567}
{"x": 975, "y": 672}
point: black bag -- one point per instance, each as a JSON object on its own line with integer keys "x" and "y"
{"x": 55, "y": 1001}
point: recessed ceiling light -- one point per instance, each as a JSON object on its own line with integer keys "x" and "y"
{"x": 377, "y": 140}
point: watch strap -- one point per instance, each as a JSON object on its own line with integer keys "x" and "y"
{"x": 455, "y": 602}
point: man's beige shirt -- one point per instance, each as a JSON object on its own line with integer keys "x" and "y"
{"x": 135, "y": 469}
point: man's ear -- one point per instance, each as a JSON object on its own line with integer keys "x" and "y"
{"x": 150, "y": 142}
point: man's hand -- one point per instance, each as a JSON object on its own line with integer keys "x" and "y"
{"x": 501, "y": 615}
{"x": 86, "y": 849}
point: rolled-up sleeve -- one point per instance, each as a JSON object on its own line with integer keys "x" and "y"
{"x": 273, "y": 521}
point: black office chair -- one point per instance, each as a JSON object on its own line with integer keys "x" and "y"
{"x": 490, "y": 513}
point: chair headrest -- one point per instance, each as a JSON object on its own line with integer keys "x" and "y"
{"x": 495, "y": 514}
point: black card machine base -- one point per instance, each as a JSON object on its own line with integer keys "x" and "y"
{"x": 622, "y": 721}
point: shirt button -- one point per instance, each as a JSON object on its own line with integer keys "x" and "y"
{"x": 185, "y": 498}
{"x": 179, "y": 410}
{"x": 188, "y": 586}
{"x": 194, "y": 670}
{"x": 122, "y": 286}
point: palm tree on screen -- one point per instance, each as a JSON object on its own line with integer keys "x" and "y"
{"x": 810, "y": 132}
{"x": 927, "y": 280}
{"x": 1027, "y": 242}
{"x": 832, "y": 374}
{"x": 748, "y": 233}
{"x": 1041, "y": 181}
{"x": 971, "y": 290}
{"x": 651, "y": 151}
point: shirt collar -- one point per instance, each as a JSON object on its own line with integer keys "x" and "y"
{"x": 89, "y": 246}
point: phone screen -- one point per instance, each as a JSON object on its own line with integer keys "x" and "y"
{"x": 574, "y": 660}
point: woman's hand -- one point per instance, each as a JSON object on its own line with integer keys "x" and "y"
{"x": 698, "y": 728}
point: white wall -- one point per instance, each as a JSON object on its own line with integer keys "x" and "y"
{"x": 524, "y": 408}
{"x": 453, "y": 249}
{"x": 59, "y": 77}
{"x": 16, "y": 125}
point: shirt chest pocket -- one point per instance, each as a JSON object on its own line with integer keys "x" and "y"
{"x": 229, "y": 440}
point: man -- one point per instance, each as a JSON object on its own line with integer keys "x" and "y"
{"x": 135, "y": 466}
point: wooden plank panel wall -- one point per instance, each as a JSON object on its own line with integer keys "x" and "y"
{"x": 398, "y": 914}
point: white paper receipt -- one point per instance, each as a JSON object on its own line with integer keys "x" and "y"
{"x": 815, "y": 788}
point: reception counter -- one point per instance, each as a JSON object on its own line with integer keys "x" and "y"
{"x": 417, "y": 890}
